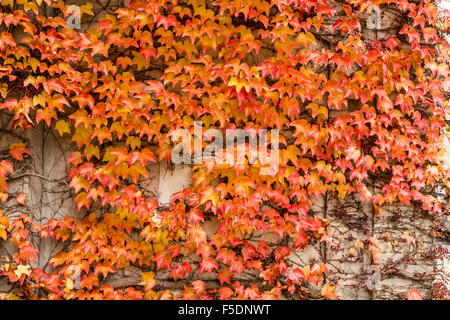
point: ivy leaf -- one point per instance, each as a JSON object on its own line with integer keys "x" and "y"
{"x": 208, "y": 265}
{"x": 195, "y": 216}
{"x": 163, "y": 261}
{"x": 16, "y": 150}
{"x": 414, "y": 294}
{"x": 327, "y": 291}
{"x": 296, "y": 275}
{"x": 22, "y": 270}
{"x": 62, "y": 127}
{"x": 5, "y": 167}
{"x": 225, "y": 276}
{"x": 21, "y": 198}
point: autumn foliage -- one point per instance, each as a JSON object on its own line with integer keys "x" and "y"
{"x": 360, "y": 110}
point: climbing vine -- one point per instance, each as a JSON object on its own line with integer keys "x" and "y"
{"x": 360, "y": 109}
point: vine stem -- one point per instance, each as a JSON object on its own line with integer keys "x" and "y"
{"x": 27, "y": 174}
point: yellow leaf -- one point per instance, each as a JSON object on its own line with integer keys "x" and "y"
{"x": 119, "y": 129}
{"x": 22, "y": 269}
{"x": 359, "y": 244}
{"x": 328, "y": 291}
{"x": 139, "y": 60}
{"x": 134, "y": 142}
{"x": 148, "y": 280}
{"x": 31, "y": 6}
{"x": 34, "y": 63}
{"x": 62, "y": 127}
{"x": 3, "y": 233}
{"x": 12, "y": 296}
{"x": 377, "y": 209}
{"x": 4, "y": 90}
{"x": 292, "y": 153}
{"x": 91, "y": 151}
{"x": 235, "y": 82}
{"x": 121, "y": 169}
{"x": 209, "y": 194}
{"x": 136, "y": 170}
{"x": 86, "y": 8}
{"x": 8, "y": 296}
{"x": 69, "y": 284}
{"x": 158, "y": 246}
{"x": 8, "y": 3}
{"x": 342, "y": 190}
{"x": 39, "y": 100}
{"x": 318, "y": 110}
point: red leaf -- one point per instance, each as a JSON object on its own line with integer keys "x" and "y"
{"x": 198, "y": 286}
{"x": 281, "y": 252}
{"x": 195, "y": 216}
{"x": 9, "y": 104}
{"x": 162, "y": 260}
{"x": 263, "y": 249}
{"x": 5, "y": 167}
{"x": 208, "y": 265}
{"x": 29, "y": 252}
{"x": 413, "y": 294}
{"x": 180, "y": 271}
{"x": 225, "y": 293}
{"x": 296, "y": 275}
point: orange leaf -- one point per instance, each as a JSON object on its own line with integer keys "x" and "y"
{"x": 21, "y": 198}
{"x": 328, "y": 291}
{"x": 414, "y": 294}
{"x": 16, "y": 150}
